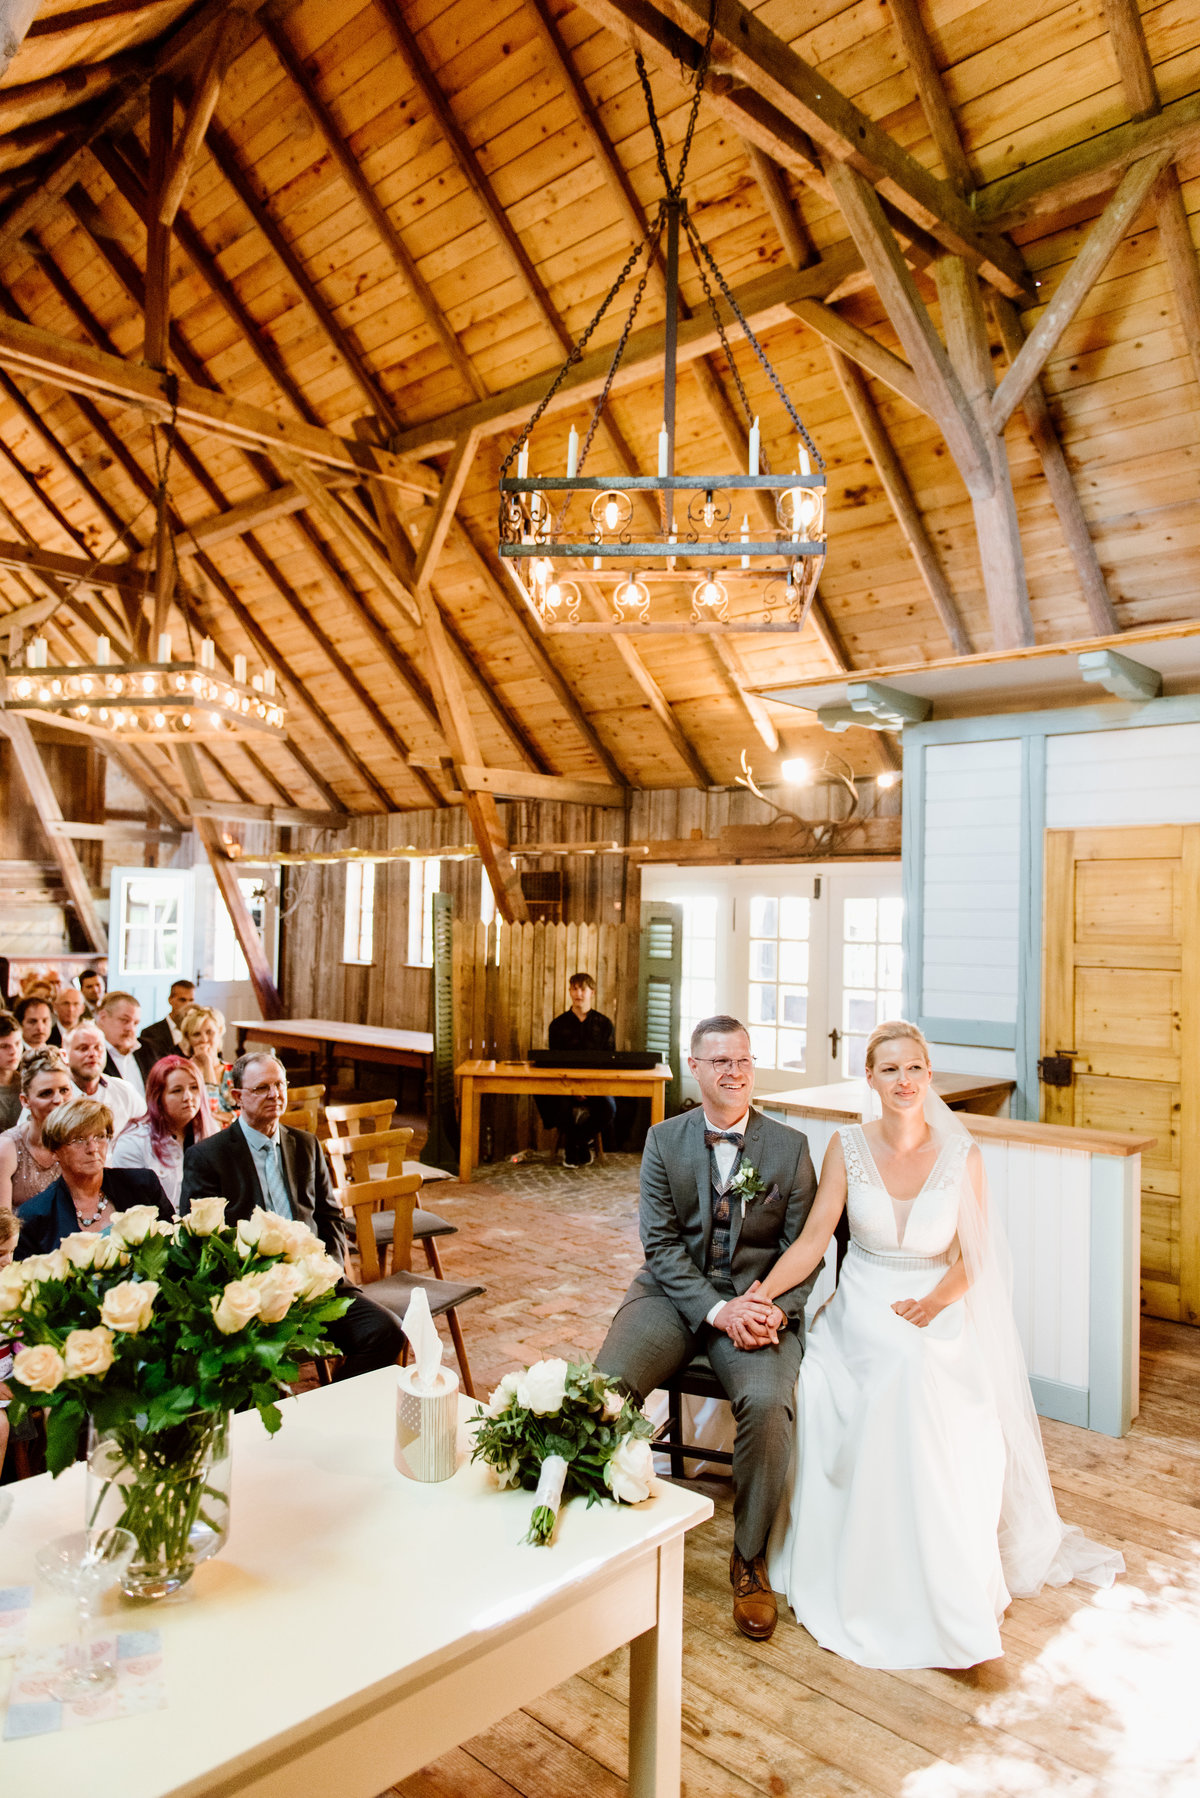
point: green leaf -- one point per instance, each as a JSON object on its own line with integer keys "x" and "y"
{"x": 64, "y": 1423}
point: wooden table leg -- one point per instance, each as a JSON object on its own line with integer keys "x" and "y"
{"x": 658, "y": 1102}
{"x": 468, "y": 1147}
{"x": 656, "y": 1687}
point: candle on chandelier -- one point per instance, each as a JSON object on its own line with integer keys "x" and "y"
{"x": 164, "y": 647}
{"x": 37, "y": 653}
{"x": 239, "y": 670}
{"x": 523, "y": 462}
{"x": 664, "y": 449}
{"x": 572, "y": 454}
{"x": 208, "y": 653}
{"x": 805, "y": 464}
{"x": 754, "y": 446}
{"x": 103, "y": 652}
{"x": 269, "y": 682}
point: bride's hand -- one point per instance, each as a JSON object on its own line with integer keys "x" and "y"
{"x": 916, "y": 1311}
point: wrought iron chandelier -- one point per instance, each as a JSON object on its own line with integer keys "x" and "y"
{"x": 166, "y": 698}
{"x": 645, "y": 546}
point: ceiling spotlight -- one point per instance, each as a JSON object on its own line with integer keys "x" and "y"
{"x": 796, "y": 771}
{"x": 888, "y": 778}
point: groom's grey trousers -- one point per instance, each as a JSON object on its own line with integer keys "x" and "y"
{"x": 648, "y": 1341}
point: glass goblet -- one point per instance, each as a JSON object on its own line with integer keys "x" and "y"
{"x": 82, "y": 1566}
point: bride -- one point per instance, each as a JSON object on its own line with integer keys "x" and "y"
{"x": 919, "y": 1496}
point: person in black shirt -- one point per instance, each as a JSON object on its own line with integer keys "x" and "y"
{"x": 579, "y": 1120}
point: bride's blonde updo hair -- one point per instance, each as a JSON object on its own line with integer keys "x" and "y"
{"x": 895, "y": 1030}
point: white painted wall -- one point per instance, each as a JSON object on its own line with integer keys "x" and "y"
{"x": 971, "y": 878}
{"x": 1119, "y": 777}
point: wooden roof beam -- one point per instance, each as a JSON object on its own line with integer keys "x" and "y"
{"x": 1077, "y": 283}
{"x": 224, "y": 43}
{"x": 788, "y": 86}
{"x": 15, "y": 727}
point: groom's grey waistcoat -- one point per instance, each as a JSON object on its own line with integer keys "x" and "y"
{"x": 676, "y": 1213}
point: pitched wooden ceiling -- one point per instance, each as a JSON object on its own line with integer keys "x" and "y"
{"x": 400, "y": 213}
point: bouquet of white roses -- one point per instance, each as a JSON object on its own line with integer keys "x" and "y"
{"x": 155, "y": 1322}
{"x": 558, "y": 1427}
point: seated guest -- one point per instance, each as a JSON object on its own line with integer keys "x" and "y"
{"x": 177, "y": 1115}
{"x": 119, "y": 1015}
{"x": 87, "y": 1193}
{"x": 35, "y": 1015}
{"x": 9, "y": 1231}
{"x": 164, "y": 1037}
{"x": 26, "y": 1165}
{"x": 69, "y": 1007}
{"x": 91, "y": 985}
{"x": 260, "y": 1162}
{"x": 579, "y": 1120}
{"x": 201, "y": 1034}
{"x": 87, "y": 1050}
{"x": 11, "y": 1050}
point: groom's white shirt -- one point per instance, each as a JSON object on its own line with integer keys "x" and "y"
{"x": 725, "y": 1154}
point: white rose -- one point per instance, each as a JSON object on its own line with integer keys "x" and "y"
{"x": 80, "y": 1249}
{"x": 237, "y": 1306}
{"x": 629, "y": 1474}
{"x": 277, "y": 1287}
{"x": 613, "y": 1402}
{"x": 12, "y": 1287}
{"x": 128, "y": 1307}
{"x": 262, "y": 1233}
{"x": 39, "y": 1268}
{"x": 205, "y": 1217}
{"x": 318, "y": 1274}
{"x": 508, "y": 1476}
{"x": 88, "y": 1351}
{"x": 542, "y": 1387}
{"x": 133, "y": 1226}
{"x": 299, "y": 1240}
{"x": 503, "y": 1395}
{"x": 41, "y": 1368}
{"x": 109, "y": 1252}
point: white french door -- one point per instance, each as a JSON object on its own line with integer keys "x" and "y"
{"x": 151, "y": 933}
{"x": 808, "y": 956}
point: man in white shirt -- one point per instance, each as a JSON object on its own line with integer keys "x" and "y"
{"x": 117, "y": 1017}
{"x": 86, "y": 1050}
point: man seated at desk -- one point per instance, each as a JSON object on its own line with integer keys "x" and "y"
{"x": 579, "y": 1121}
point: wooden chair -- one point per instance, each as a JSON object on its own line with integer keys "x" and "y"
{"x": 358, "y": 1120}
{"x": 307, "y": 1099}
{"x": 304, "y": 1116}
{"x": 695, "y": 1380}
{"x": 394, "y": 1290}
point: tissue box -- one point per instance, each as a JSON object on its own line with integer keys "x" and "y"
{"x": 426, "y": 1425}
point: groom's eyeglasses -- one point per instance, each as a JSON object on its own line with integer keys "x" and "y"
{"x": 721, "y": 1064}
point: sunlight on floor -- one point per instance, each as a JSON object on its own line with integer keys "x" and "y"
{"x": 1118, "y": 1681}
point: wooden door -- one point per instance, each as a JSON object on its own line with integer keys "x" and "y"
{"x": 1120, "y": 997}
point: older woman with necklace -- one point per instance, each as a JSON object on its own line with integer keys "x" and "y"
{"x": 26, "y": 1165}
{"x": 87, "y": 1192}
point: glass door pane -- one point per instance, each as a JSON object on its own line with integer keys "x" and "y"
{"x": 866, "y": 978}
{"x": 778, "y": 983}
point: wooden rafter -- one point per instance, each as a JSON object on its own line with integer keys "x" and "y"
{"x": 223, "y": 43}
{"x": 838, "y": 132}
{"x": 45, "y": 802}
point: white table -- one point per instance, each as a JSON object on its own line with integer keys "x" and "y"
{"x": 359, "y": 1625}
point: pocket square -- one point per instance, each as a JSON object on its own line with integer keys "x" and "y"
{"x": 774, "y": 1197}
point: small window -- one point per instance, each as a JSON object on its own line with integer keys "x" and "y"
{"x": 698, "y": 992}
{"x": 358, "y": 944}
{"x": 424, "y": 880}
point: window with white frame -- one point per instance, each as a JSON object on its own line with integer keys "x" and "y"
{"x": 778, "y": 985}
{"x": 358, "y": 942}
{"x": 424, "y": 880}
{"x": 871, "y": 974}
{"x": 698, "y": 989}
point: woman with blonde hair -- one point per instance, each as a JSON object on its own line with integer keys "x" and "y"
{"x": 87, "y": 1193}
{"x": 26, "y": 1165}
{"x": 201, "y": 1033}
{"x": 920, "y": 1498}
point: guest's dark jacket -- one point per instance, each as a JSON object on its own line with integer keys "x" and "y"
{"x": 157, "y": 1041}
{"x": 144, "y": 1056}
{"x": 592, "y": 1031}
{"x": 51, "y": 1215}
{"x": 223, "y": 1166}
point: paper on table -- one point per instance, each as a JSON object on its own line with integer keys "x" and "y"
{"x": 14, "y": 1614}
{"x": 424, "y": 1341}
{"x": 139, "y": 1686}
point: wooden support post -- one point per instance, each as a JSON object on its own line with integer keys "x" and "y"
{"x": 225, "y": 872}
{"x": 176, "y": 176}
{"x": 45, "y": 804}
{"x": 1001, "y": 558}
{"x": 158, "y": 233}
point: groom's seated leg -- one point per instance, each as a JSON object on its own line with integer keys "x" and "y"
{"x": 647, "y": 1342}
{"x": 367, "y": 1336}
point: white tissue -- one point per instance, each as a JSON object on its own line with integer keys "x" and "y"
{"x": 423, "y": 1340}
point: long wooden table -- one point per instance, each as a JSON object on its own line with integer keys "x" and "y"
{"x": 354, "y": 1042}
{"x": 358, "y": 1625}
{"x": 522, "y": 1078}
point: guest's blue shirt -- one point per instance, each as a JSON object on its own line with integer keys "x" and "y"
{"x": 268, "y": 1164}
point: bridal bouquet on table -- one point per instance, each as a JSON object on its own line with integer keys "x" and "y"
{"x": 559, "y": 1428}
{"x": 152, "y": 1334}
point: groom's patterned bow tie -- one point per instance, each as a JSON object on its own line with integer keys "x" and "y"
{"x": 711, "y": 1137}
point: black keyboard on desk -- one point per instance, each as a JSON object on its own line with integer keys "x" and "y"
{"x": 568, "y": 1059}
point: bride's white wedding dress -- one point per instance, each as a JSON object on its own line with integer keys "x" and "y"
{"x": 918, "y": 1494}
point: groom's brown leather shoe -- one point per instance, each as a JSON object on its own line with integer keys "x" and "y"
{"x": 754, "y": 1609}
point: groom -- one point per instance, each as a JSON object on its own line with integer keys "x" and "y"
{"x": 724, "y": 1191}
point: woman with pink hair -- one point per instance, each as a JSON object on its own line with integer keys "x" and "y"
{"x": 177, "y": 1115}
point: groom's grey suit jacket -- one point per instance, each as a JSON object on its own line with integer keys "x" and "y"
{"x": 677, "y": 1206}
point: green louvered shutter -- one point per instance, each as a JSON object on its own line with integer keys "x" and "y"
{"x": 442, "y": 1148}
{"x": 660, "y": 976}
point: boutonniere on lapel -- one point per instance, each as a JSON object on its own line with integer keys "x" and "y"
{"x": 748, "y": 1184}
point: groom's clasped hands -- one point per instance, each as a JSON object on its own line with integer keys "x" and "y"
{"x": 750, "y": 1322}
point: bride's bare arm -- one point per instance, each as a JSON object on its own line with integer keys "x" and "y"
{"x": 955, "y": 1280}
{"x": 798, "y": 1261}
